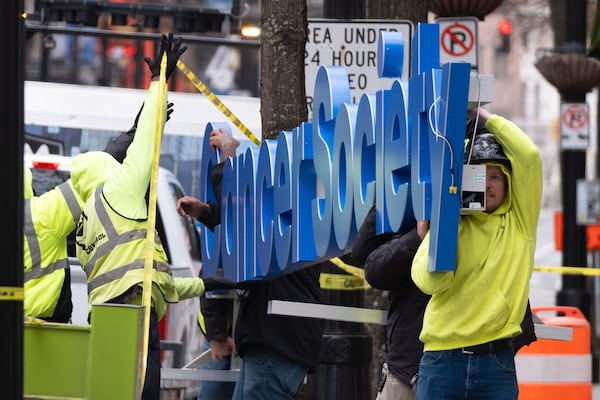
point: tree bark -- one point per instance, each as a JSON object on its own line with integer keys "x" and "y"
{"x": 282, "y": 81}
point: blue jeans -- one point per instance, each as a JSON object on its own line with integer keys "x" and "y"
{"x": 265, "y": 375}
{"x": 212, "y": 390}
{"x": 450, "y": 374}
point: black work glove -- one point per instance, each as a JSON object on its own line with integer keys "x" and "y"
{"x": 169, "y": 110}
{"x": 137, "y": 117}
{"x": 217, "y": 282}
{"x": 173, "y": 49}
{"x": 117, "y": 146}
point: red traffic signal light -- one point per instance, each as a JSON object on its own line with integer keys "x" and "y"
{"x": 505, "y": 27}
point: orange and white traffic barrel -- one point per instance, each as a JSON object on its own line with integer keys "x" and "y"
{"x": 557, "y": 369}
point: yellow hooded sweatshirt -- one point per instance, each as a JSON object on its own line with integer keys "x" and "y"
{"x": 485, "y": 298}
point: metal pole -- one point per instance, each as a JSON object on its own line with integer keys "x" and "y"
{"x": 573, "y": 164}
{"x": 574, "y": 290}
{"x": 11, "y": 174}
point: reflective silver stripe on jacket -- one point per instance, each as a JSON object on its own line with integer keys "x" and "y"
{"x": 120, "y": 272}
{"x": 69, "y": 195}
{"x": 37, "y": 271}
{"x": 114, "y": 240}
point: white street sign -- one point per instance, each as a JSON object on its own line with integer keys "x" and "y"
{"x": 353, "y": 45}
{"x": 574, "y": 126}
{"x": 458, "y": 40}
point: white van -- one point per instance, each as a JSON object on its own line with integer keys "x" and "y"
{"x": 78, "y": 118}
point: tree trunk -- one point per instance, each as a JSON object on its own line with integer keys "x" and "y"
{"x": 282, "y": 82}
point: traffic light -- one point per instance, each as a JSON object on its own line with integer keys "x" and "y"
{"x": 505, "y": 29}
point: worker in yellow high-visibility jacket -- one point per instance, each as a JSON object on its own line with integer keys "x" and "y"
{"x": 111, "y": 233}
{"x": 48, "y": 221}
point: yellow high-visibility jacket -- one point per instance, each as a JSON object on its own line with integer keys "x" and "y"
{"x": 111, "y": 234}
{"x": 48, "y": 220}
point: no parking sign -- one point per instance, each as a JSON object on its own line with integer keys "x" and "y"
{"x": 458, "y": 40}
{"x": 574, "y": 126}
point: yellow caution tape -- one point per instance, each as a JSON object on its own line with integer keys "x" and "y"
{"x": 33, "y": 320}
{"x": 10, "y": 293}
{"x": 215, "y": 100}
{"x": 149, "y": 257}
{"x": 351, "y": 269}
{"x": 342, "y": 282}
{"x": 355, "y": 280}
{"x": 569, "y": 270}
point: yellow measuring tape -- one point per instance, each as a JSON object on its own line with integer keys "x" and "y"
{"x": 149, "y": 257}
{"x": 8, "y": 293}
{"x": 215, "y": 100}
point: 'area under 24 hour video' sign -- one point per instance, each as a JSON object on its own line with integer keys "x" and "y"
{"x": 352, "y": 45}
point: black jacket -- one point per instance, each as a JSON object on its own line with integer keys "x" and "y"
{"x": 527, "y": 335}
{"x": 387, "y": 259}
{"x": 295, "y": 338}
